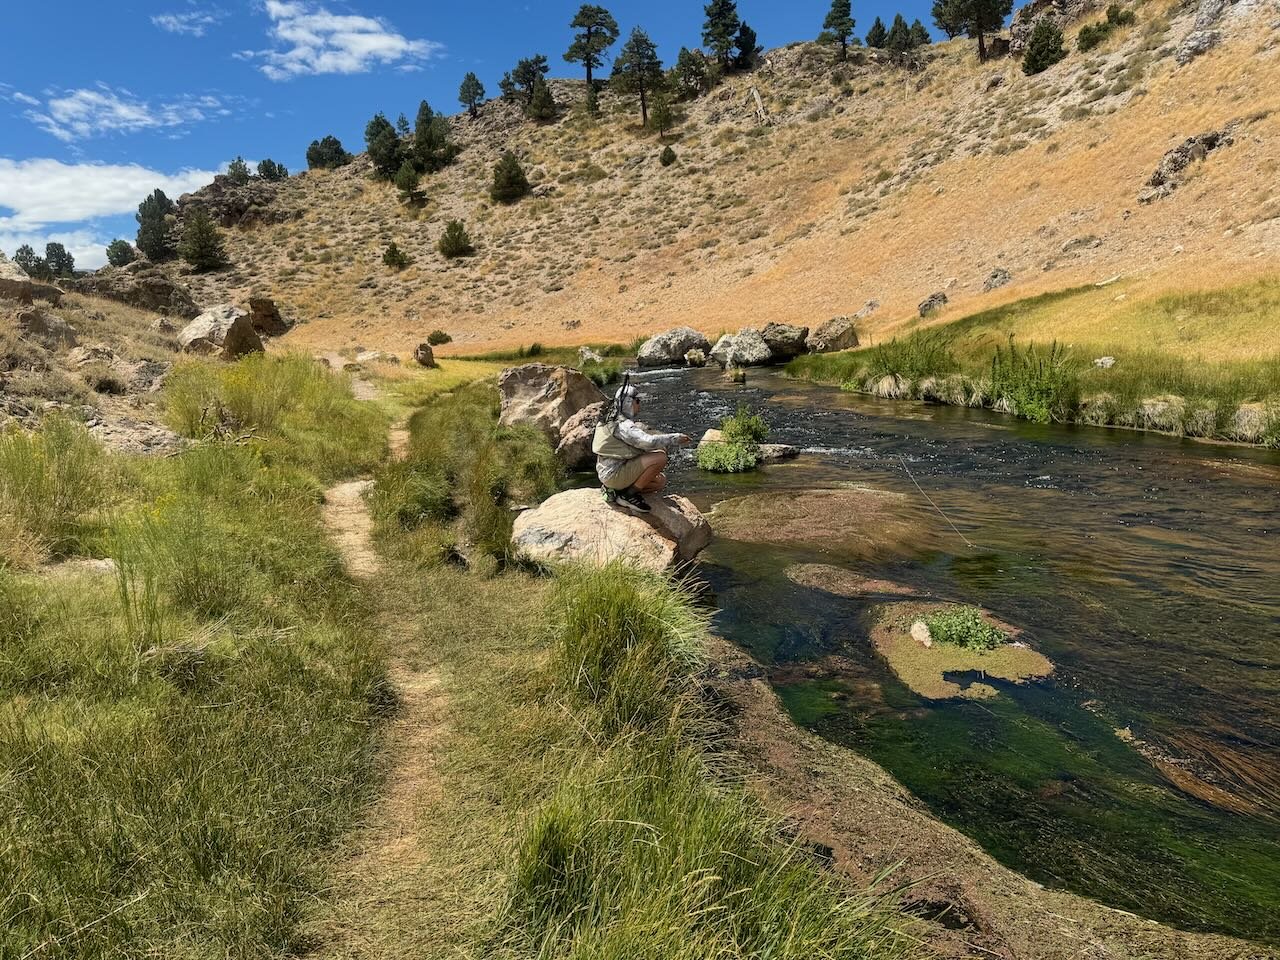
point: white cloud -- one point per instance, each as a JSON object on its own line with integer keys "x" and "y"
{"x": 45, "y": 199}
{"x": 192, "y": 23}
{"x": 79, "y": 114}
{"x": 309, "y": 39}
{"x": 24, "y": 98}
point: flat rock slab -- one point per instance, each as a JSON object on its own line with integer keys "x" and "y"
{"x": 578, "y": 526}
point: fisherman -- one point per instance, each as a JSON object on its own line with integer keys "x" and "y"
{"x": 630, "y": 459}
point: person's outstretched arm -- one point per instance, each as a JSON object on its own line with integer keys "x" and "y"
{"x": 634, "y": 435}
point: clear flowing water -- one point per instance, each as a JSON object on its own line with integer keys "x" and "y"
{"x": 1146, "y": 771}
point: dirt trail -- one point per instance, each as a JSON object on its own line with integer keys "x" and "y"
{"x": 382, "y": 858}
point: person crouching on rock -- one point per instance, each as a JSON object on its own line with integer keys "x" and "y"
{"x": 630, "y": 459}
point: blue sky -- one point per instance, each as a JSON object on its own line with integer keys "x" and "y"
{"x": 116, "y": 98}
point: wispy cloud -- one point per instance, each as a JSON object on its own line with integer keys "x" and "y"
{"x": 80, "y": 114}
{"x": 308, "y": 39}
{"x": 192, "y": 23}
{"x": 45, "y": 199}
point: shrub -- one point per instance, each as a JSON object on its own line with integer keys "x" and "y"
{"x": 509, "y": 180}
{"x": 1093, "y": 34}
{"x": 201, "y": 244}
{"x": 153, "y": 225}
{"x": 394, "y": 257}
{"x": 1044, "y": 49}
{"x": 743, "y": 426}
{"x": 667, "y": 157}
{"x": 455, "y": 242}
{"x": 721, "y": 457}
{"x": 918, "y": 355}
{"x": 271, "y": 171}
{"x": 542, "y": 105}
{"x": 327, "y": 154}
{"x": 120, "y": 253}
{"x": 438, "y": 338}
{"x": 406, "y": 181}
{"x": 964, "y": 627}
{"x": 603, "y": 373}
{"x": 1038, "y": 388}
{"x": 238, "y": 171}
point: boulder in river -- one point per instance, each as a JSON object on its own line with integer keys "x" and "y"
{"x": 667, "y": 349}
{"x": 577, "y": 526}
{"x": 785, "y": 340}
{"x": 838, "y": 333}
{"x": 750, "y": 349}
{"x": 544, "y": 396}
{"x": 224, "y": 331}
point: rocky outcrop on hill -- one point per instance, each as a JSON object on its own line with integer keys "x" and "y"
{"x": 1203, "y": 37}
{"x": 1166, "y": 177}
{"x": 232, "y": 204}
{"x": 142, "y": 285}
{"x": 544, "y": 397}
{"x": 935, "y": 301}
{"x": 669, "y": 348}
{"x": 265, "y": 317}
{"x": 578, "y": 526}
{"x": 47, "y": 328}
{"x": 1061, "y": 13}
{"x": 16, "y": 285}
{"x": 224, "y": 331}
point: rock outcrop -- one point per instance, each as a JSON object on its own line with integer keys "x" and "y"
{"x": 577, "y": 526}
{"x": 996, "y": 279}
{"x": 266, "y": 319}
{"x": 785, "y": 340}
{"x": 424, "y": 355}
{"x": 838, "y": 333}
{"x": 1202, "y": 37}
{"x": 141, "y": 285}
{"x": 224, "y": 331}
{"x": 1166, "y": 177}
{"x": 746, "y": 348}
{"x": 667, "y": 349}
{"x": 49, "y": 329}
{"x": 16, "y": 285}
{"x": 574, "y": 449}
{"x": 935, "y": 301}
{"x": 233, "y": 204}
{"x": 1061, "y": 13}
{"x": 544, "y": 397}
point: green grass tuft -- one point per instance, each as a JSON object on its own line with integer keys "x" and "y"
{"x": 964, "y": 627}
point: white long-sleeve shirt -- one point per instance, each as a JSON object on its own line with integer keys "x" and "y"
{"x": 634, "y": 435}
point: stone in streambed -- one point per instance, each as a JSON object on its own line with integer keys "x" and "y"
{"x": 578, "y": 526}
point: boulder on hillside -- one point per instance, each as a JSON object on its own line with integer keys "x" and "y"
{"x": 668, "y": 349}
{"x": 838, "y": 333}
{"x": 785, "y": 340}
{"x": 577, "y": 526}
{"x": 223, "y": 331}
{"x": 52, "y": 331}
{"x": 935, "y": 301}
{"x": 265, "y": 316}
{"x": 545, "y": 397}
{"x": 142, "y": 285}
{"x": 16, "y": 285}
{"x": 997, "y": 278}
{"x": 424, "y": 355}
{"x": 1165, "y": 179}
{"x": 574, "y": 449}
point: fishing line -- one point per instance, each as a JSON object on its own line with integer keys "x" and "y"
{"x": 969, "y": 543}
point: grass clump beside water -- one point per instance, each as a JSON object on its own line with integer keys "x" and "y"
{"x": 180, "y": 741}
{"x": 964, "y": 627}
{"x": 738, "y": 449}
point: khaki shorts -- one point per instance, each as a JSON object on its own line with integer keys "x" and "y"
{"x": 627, "y": 474}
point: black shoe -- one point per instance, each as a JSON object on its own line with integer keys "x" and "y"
{"x": 633, "y": 501}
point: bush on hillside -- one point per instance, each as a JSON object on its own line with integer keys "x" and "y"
{"x": 455, "y": 242}
{"x": 394, "y": 257}
{"x": 509, "y": 180}
{"x": 1044, "y": 49}
{"x": 238, "y": 171}
{"x": 542, "y": 105}
{"x": 438, "y": 338}
{"x": 406, "y": 180}
{"x": 1093, "y": 34}
{"x": 327, "y": 154}
{"x": 201, "y": 244}
{"x": 153, "y": 225}
{"x": 667, "y": 157}
{"x": 120, "y": 253}
{"x": 271, "y": 171}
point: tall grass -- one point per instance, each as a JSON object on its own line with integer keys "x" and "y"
{"x": 1037, "y": 386}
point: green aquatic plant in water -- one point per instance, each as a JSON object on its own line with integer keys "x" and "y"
{"x": 739, "y": 451}
{"x": 964, "y": 627}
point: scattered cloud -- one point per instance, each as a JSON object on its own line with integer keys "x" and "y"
{"x": 192, "y": 23}
{"x": 21, "y": 97}
{"x": 46, "y": 199}
{"x": 80, "y": 114}
{"x": 308, "y": 39}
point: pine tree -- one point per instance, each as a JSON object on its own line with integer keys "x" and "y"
{"x": 394, "y": 257}
{"x": 877, "y": 35}
{"x": 527, "y": 73}
{"x": 471, "y": 94}
{"x": 507, "y": 86}
{"x": 746, "y": 47}
{"x": 598, "y": 31}
{"x": 431, "y": 146}
{"x": 270, "y": 170}
{"x": 31, "y": 264}
{"x": 455, "y": 242}
{"x": 383, "y": 145}
{"x": 899, "y": 37}
{"x": 637, "y": 70}
{"x": 661, "y": 115}
{"x": 690, "y": 77}
{"x": 509, "y": 181}
{"x": 838, "y": 26}
{"x": 919, "y": 35}
{"x": 406, "y": 180}
{"x": 327, "y": 154}
{"x": 721, "y": 28}
{"x": 542, "y": 105}
{"x": 153, "y": 226}
{"x": 120, "y": 253}
{"x": 1044, "y": 49}
{"x": 982, "y": 17}
{"x": 238, "y": 171}
{"x": 201, "y": 244}
{"x": 950, "y": 16}
{"x": 59, "y": 261}
{"x": 402, "y": 127}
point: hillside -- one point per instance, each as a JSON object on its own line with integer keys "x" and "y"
{"x": 869, "y": 181}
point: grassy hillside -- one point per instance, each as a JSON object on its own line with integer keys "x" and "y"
{"x": 868, "y": 182}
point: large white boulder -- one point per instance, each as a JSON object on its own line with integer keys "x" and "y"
{"x": 223, "y": 331}
{"x": 576, "y": 436}
{"x": 577, "y": 526}
{"x": 667, "y": 349}
{"x": 838, "y": 333}
{"x": 544, "y": 397}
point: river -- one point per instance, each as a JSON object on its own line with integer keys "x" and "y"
{"x": 1146, "y": 771}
